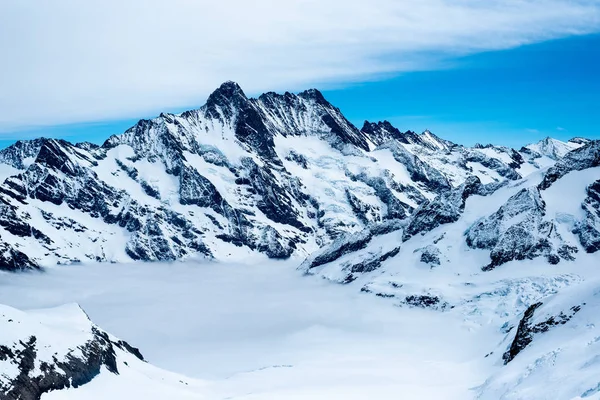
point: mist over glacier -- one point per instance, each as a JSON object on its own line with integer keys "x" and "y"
{"x": 264, "y": 330}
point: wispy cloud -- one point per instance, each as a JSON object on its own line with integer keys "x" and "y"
{"x": 561, "y": 129}
{"x": 531, "y": 130}
{"x": 74, "y": 61}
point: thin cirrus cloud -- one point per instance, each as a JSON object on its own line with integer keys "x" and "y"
{"x": 71, "y": 61}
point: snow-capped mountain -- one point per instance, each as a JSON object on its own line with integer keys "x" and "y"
{"x": 497, "y": 238}
{"x": 280, "y": 175}
{"x": 552, "y": 148}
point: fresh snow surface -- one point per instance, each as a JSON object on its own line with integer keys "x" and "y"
{"x": 260, "y": 332}
{"x": 6, "y": 171}
{"x": 562, "y": 363}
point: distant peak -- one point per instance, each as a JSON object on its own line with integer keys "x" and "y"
{"x": 370, "y": 127}
{"x": 227, "y": 90}
{"x": 230, "y": 85}
{"x": 228, "y": 96}
{"x": 579, "y": 140}
{"x": 314, "y": 94}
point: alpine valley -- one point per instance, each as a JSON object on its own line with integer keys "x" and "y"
{"x": 295, "y": 255}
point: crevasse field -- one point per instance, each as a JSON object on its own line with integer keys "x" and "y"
{"x": 261, "y": 332}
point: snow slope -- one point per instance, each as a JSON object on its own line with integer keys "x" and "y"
{"x": 557, "y": 344}
{"x": 59, "y": 353}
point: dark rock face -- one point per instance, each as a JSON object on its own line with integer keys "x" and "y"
{"x": 10, "y": 221}
{"x": 395, "y": 208}
{"x": 75, "y": 371}
{"x": 337, "y": 123}
{"x": 16, "y": 154}
{"x": 587, "y": 156}
{"x": 250, "y": 128}
{"x": 340, "y": 247}
{"x": 517, "y": 231}
{"x": 273, "y": 245}
{"x": 444, "y": 209}
{"x": 153, "y": 140}
{"x": 579, "y": 140}
{"x": 588, "y": 230}
{"x": 365, "y": 212}
{"x": 61, "y": 174}
{"x": 425, "y": 301}
{"x": 54, "y": 154}
{"x": 350, "y": 243}
{"x": 298, "y": 159}
{"x": 353, "y": 242}
{"x": 524, "y": 335}
{"x": 87, "y": 146}
{"x": 382, "y": 132}
{"x": 430, "y": 255}
{"x": 370, "y": 265}
{"x": 309, "y": 114}
{"x": 196, "y": 189}
{"x": 273, "y": 199}
{"x": 527, "y": 330}
{"x": 14, "y": 260}
{"x": 77, "y": 367}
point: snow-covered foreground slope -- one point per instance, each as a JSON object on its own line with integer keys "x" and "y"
{"x": 261, "y": 332}
{"x": 59, "y": 353}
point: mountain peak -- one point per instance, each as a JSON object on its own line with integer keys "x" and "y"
{"x": 579, "y": 140}
{"x": 227, "y": 97}
{"x": 552, "y": 148}
{"x": 381, "y": 132}
{"x": 227, "y": 90}
{"x": 22, "y": 152}
{"x": 230, "y": 85}
{"x": 315, "y": 95}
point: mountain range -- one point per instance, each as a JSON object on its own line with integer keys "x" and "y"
{"x": 405, "y": 216}
{"x": 280, "y": 175}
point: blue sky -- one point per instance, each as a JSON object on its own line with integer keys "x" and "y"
{"x": 510, "y": 97}
{"x": 508, "y": 72}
